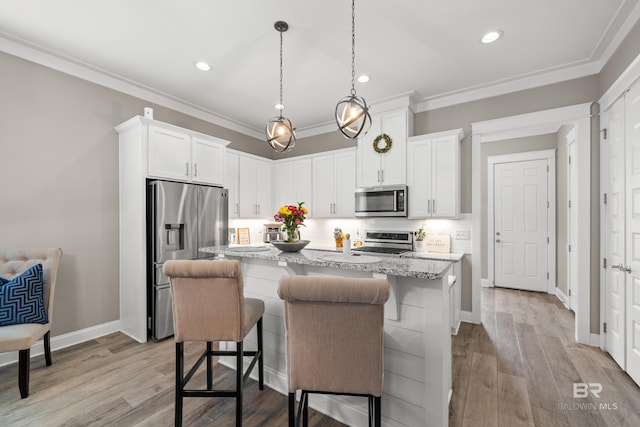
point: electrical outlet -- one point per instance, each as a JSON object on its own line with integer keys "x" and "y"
{"x": 462, "y": 234}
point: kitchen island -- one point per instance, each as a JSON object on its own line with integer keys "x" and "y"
{"x": 417, "y": 354}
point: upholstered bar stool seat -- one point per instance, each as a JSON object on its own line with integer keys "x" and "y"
{"x": 208, "y": 306}
{"x": 334, "y": 339}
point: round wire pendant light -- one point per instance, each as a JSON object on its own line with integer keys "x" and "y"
{"x": 279, "y": 131}
{"x": 352, "y": 112}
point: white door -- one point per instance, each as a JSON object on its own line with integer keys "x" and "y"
{"x": 572, "y": 223}
{"x": 614, "y": 212}
{"x": 169, "y": 154}
{"x": 632, "y": 143}
{"x": 344, "y": 185}
{"x": 231, "y": 183}
{"x": 520, "y": 197}
{"x": 247, "y": 187}
{"x": 444, "y": 176}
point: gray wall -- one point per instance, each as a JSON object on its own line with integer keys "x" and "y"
{"x": 59, "y": 155}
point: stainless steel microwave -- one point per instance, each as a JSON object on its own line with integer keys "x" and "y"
{"x": 388, "y": 200}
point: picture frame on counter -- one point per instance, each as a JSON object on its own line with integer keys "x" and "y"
{"x": 244, "y": 236}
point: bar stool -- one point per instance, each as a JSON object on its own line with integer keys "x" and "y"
{"x": 208, "y": 306}
{"x": 334, "y": 345}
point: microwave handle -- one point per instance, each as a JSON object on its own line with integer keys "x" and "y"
{"x": 395, "y": 200}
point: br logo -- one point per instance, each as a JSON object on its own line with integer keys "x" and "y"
{"x": 582, "y": 390}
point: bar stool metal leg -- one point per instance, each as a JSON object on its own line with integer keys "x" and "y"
{"x": 239, "y": 384}
{"x": 179, "y": 373}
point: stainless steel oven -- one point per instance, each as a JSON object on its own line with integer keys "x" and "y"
{"x": 388, "y": 200}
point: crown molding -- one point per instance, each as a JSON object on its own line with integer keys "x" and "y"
{"x": 47, "y": 58}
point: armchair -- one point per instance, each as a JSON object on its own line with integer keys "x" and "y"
{"x": 20, "y": 337}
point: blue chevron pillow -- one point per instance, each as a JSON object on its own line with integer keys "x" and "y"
{"x": 22, "y": 298}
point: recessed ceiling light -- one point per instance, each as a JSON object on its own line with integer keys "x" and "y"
{"x": 203, "y": 66}
{"x": 363, "y": 78}
{"x": 491, "y": 36}
{"x": 279, "y": 107}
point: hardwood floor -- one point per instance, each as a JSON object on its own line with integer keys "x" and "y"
{"x": 518, "y": 369}
{"x": 115, "y": 381}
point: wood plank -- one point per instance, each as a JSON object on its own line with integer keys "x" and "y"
{"x": 513, "y": 401}
{"x": 481, "y": 407}
{"x": 508, "y": 349}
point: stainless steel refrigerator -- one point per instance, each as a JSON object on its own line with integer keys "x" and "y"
{"x": 181, "y": 218}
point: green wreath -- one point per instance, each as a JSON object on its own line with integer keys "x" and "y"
{"x": 387, "y": 140}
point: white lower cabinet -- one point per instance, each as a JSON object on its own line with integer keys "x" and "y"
{"x": 292, "y": 183}
{"x": 433, "y": 175}
{"x": 334, "y": 184}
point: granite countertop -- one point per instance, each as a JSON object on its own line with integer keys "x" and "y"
{"x": 395, "y": 266}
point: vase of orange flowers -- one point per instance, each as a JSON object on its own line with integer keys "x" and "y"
{"x": 292, "y": 217}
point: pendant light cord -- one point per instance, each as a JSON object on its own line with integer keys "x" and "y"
{"x": 353, "y": 47}
{"x": 281, "y": 104}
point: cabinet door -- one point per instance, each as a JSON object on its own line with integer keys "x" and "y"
{"x": 207, "y": 160}
{"x": 292, "y": 182}
{"x": 345, "y": 185}
{"x": 169, "y": 154}
{"x": 283, "y": 184}
{"x": 263, "y": 189}
{"x": 444, "y": 167}
{"x": 368, "y": 160}
{"x": 231, "y": 183}
{"x": 323, "y": 187}
{"x": 419, "y": 178}
{"x": 393, "y": 162}
{"x": 247, "y": 177}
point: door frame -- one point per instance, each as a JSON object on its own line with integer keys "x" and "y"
{"x": 538, "y": 123}
{"x": 550, "y": 157}
{"x": 572, "y": 194}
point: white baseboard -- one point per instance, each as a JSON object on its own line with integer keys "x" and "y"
{"x": 563, "y": 298}
{"x": 486, "y": 283}
{"x": 66, "y": 340}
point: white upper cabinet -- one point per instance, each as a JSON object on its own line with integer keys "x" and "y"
{"x": 182, "y": 155}
{"x": 231, "y": 183}
{"x": 254, "y": 187}
{"x": 389, "y": 168}
{"x": 334, "y": 184}
{"x": 207, "y": 159}
{"x": 433, "y": 175}
{"x": 292, "y": 183}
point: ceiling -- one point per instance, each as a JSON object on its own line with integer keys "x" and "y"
{"x": 427, "y": 49}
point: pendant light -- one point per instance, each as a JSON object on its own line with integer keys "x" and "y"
{"x": 279, "y": 131}
{"x": 352, "y": 112}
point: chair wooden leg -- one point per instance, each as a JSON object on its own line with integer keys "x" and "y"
{"x": 179, "y": 374}
{"x": 47, "y": 348}
{"x": 209, "y": 366}
{"x": 377, "y": 411}
{"x": 261, "y": 358}
{"x": 23, "y": 372}
{"x": 292, "y": 409}
{"x": 239, "y": 384}
{"x": 305, "y": 409}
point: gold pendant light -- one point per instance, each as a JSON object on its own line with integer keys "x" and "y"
{"x": 352, "y": 112}
{"x": 280, "y": 132}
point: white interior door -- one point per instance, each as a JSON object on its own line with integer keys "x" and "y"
{"x": 614, "y": 212}
{"x": 572, "y": 223}
{"x": 521, "y": 229}
{"x": 632, "y": 151}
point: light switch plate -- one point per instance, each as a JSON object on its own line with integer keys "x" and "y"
{"x": 462, "y": 234}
